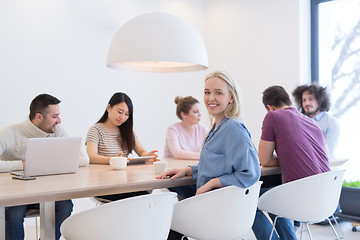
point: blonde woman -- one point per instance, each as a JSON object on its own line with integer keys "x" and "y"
{"x": 228, "y": 156}
{"x": 184, "y": 139}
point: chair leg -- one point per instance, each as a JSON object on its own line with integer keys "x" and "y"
{"x": 36, "y": 228}
{"x": 273, "y": 228}
{"x": 308, "y": 229}
{"x": 338, "y": 225}
{"x": 301, "y": 230}
{"x": 332, "y": 227}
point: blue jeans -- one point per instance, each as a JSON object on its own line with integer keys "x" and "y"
{"x": 14, "y": 218}
{"x": 184, "y": 191}
{"x": 262, "y": 227}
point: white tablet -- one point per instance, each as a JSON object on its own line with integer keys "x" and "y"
{"x": 139, "y": 160}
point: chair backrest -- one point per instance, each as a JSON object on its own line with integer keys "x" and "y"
{"x": 225, "y": 213}
{"x": 310, "y": 199}
{"x": 143, "y": 217}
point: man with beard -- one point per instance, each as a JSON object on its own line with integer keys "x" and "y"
{"x": 42, "y": 122}
{"x": 313, "y": 101}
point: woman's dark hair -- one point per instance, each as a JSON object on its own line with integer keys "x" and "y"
{"x": 276, "y": 96}
{"x": 319, "y": 92}
{"x": 41, "y": 103}
{"x": 126, "y": 129}
{"x": 184, "y": 105}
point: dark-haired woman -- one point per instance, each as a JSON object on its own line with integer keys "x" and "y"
{"x": 113, "y": 136}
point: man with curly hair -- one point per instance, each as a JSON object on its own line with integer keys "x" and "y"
{"x": 313, "y": 101}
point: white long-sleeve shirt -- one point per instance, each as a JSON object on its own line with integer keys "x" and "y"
{"x": 13, "y": 144}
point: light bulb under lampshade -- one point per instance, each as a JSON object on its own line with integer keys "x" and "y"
{"x": 157, "y": 42}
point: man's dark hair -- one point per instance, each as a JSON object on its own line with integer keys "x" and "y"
{"x": 319, "y": 92}
{"x": 276, "y": 96}
{"x": 41, "y": 103}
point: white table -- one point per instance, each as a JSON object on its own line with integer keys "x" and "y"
{"x": 94, "y": 180}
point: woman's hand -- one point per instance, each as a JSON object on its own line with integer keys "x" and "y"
{"x": 120, "y": 155}
{"x": 176, "y": 173}
{"x": 151, "y": 153}
{"x": 210, "y": 185}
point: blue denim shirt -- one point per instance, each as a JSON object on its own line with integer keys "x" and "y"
{"x": 228, "y": 153}
{"x": 331, "y": 130}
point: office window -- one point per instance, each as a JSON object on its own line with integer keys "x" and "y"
{"x": 336, "y": 64}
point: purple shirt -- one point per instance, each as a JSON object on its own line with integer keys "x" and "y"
{"x": 299, "y": 143}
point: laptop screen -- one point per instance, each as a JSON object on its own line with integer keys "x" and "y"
{"x": 47, "y": 156}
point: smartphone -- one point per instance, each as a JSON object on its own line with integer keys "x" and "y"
{"x": 23, "y": 178}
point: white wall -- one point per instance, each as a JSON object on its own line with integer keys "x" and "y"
{"x": 260, "y": 43}
{"x": 60, "y": 47}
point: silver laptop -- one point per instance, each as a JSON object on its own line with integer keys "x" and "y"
{"x": 47, "y": 156}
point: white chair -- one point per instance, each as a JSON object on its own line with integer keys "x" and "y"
{"x": 307, "y": 200}
{"x": 225, "y": 213}
{"x": 143, "y": 217}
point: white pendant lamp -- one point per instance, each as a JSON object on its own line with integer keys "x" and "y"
{"x": 157, "y": 42}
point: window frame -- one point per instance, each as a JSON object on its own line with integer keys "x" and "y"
{"x": 314, "y": 8}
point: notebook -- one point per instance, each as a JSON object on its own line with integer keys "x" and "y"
{"x": 48, "y": 156}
